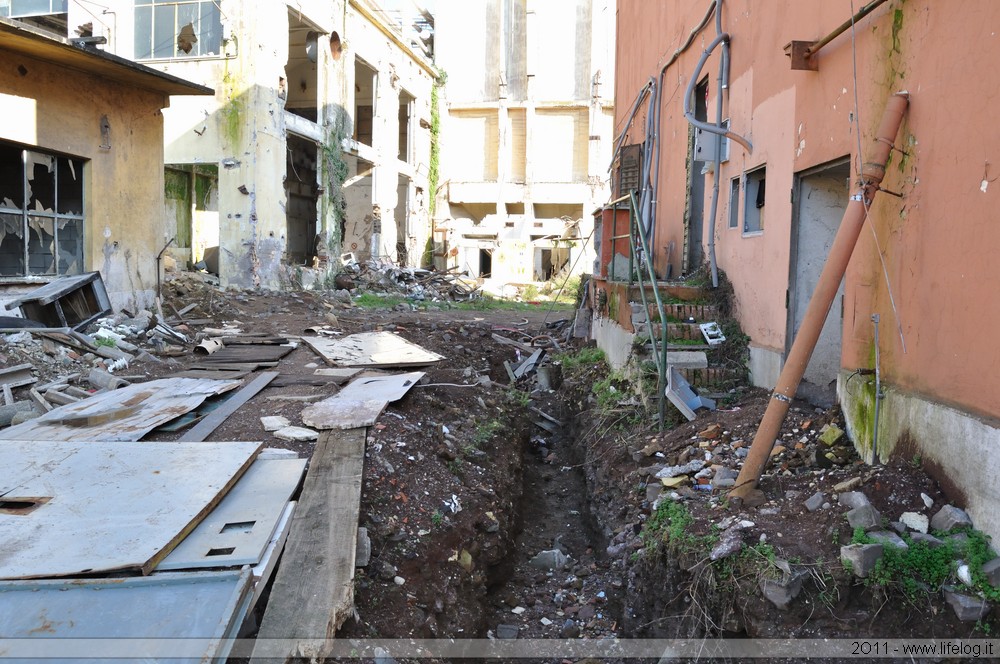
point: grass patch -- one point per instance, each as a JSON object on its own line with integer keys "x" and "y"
{"x": 670, "y": 525}
{"x": 377, "y": 301}
{"x": 585, "y": 357}
{"x": 486, "y": 431}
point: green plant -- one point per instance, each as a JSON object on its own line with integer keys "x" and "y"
{"x": 376, "y": 301}
{"x": 670, "y": 524}
{"x": 485, "y": 432}
{"x": 916, "y": 461}
{"x": 437, "y": 518}
{"x": 585, "y": 357}
{"x": 106, "y": 342}
{"x": 455, "y": 466}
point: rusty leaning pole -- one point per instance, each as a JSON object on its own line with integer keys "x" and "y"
{"x": 804, "y": 343}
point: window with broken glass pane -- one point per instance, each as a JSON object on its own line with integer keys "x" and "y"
{"x": 41, "y": 213}
{"x": 165, "y": 29}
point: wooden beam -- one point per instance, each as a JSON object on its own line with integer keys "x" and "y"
{"x": 204, "y": 429}
{"x": 313, "y": 590}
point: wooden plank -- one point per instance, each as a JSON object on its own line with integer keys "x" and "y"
{"x": 247, "y": 340}
{"x": 313, "y": 591}
{"x": 247, "y": 353}
{"x": 372, "y": 349}
{"x": 17, "y": 376}
{"x": 212, "y": 374}
{"x": 90, "y": 506}
{"x": 286, "y": 380}
{"x": 8, "y": 396}
{"x": 360, "y": 403}
{"x": 125, "y": 414}
{"x": 232, "y": 366}
{"x": 205, "y": 428}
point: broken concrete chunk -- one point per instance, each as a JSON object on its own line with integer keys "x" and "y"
{"x": 931, "y": 541}
{"x": 861, "y": 557}
{"x": 815, "y": 501}
{"x": 831, "y": 434}
{"x": 949, "y": 518}
{"x": 731, "y": 542}
{"x": 363, "y": 549}
{"x": 853, "y": 499}
{"x": 915, "y": 521}
{"x": 674, "y": 471}
{"x": 888, "y": 538}
{"x": 967, "y": 608}
{"x": 847, "y": 485}
{"x": 781, "y": 592}
{"x": 866, "y": 517}
{"x": 550, "y": 559}
{"x": 507, "y": 631}
{"x": 296, "y": 434}
{"x": 274, "y": 422}
{"x": 992, "y": 572}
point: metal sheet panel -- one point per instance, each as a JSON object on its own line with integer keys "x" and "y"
{"x": 360, "y": 403}
{"x": 192, "y": 617}
{"x": 125, "y": 414}
{"x": 71, "y": 508}
{"x": 372, "y": 349}
{"x": 238, "y": 531}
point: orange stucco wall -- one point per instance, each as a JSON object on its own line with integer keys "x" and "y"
{"x": 937, "y": 240}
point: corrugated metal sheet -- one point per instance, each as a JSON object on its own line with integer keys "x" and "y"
{"x": 190, "y": 617}
{"x": 69, "y": 508}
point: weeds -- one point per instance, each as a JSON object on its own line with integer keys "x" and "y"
{"x": 485, "y": 432}
{"x": 437, "y": 518}
{"x": 376, "y": 301}
{"x": 585, "y": 357}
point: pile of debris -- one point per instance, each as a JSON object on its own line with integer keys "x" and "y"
{"x": 417, "y": 283}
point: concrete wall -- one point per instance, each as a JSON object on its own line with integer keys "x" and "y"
{"x": 61, "y": 111}
{"x": 933, "y": 239}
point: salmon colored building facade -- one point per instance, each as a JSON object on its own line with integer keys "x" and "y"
{"x": 921, "y": 280}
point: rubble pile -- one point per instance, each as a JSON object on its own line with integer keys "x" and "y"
{"x": 416, "y": 283}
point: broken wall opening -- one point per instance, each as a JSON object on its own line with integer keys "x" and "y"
{"x": 191, "y": 210}
{"x": 475, "y": 212}
{"x": 302, "y": 193}
{"x": 573, "y": 211}
{"x": 364, "y": 101}
{"x": 485, "y": 263}
{"x": 405, "y": 131}
{"x": 402, "y": 216}
{"x": 301, "y": 69}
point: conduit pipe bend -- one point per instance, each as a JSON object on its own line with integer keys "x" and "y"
{"x": 689, "y": 114}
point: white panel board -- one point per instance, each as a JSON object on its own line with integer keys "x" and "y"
{"x": 238, "y": 531}
{"x": 168, "y": 617}
{"x": 125, "y": 414}
{"x": 71, "y": 508}
{"x": 372, "y": 349}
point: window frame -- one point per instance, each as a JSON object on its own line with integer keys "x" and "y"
{"x": 149, "y": 10}
{"x": 54, "y": 216}
{"x": 756, "y": 175}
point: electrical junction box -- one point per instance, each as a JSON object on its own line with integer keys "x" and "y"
{"x": 704, "y": 144}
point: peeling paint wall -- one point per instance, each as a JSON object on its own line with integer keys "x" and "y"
{"x": 47, "y": 107}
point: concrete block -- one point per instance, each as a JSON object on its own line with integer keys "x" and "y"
{"x": 687, "y": 359}
{"x": 861, "y": 557}
{"x": 968, "y": 608}
{"x": 815, "y": 501}
{"x": 992, "y": 572}
{"x": 853, "y": 499}
{"x": 931, "y": 541}
{"x": 949, "y": 518}
{"x": 915, "y": 521}
{"x": 866, "y": 517}
{"x": 781, "y": 592}
{"x": 363, "y": 550}
{"x": 888, "y": 538}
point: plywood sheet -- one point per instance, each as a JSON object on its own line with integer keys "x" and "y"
{"x": 90, "y": 506}
{"x": 126, "y": 414}
{"x": 237, "y": 532}
{"x": 82, "y": 619}
{"x": 372, "y": 349}
{"x": 360, "y": 403}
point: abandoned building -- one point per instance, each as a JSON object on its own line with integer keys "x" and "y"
{"x": 328, "y": 101}
{"x": 905, "y": 347}
{"x": 527, "y": 145}
{"x": 81, "y": 165}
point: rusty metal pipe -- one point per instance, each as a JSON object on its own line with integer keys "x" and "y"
{"x": 864, "y": 11}
{"x": 872, "y": 173}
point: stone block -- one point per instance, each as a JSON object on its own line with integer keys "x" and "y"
{"x": 861, "y": 557}
{"x": 968, "y": 608}
{"x": 992, "y": 572}
{"x": 888, "y": 538}
{"x": 781, "y": 592}
{"x": 815, "y": 501}
{"x": 949, "y": 518}
{"x": 853, "y": 499}
{"x": 866, "y": 517}
{"x": 915, "y": 521}
{"x": 363, "y": 550}
{"x": 931, "y": 541}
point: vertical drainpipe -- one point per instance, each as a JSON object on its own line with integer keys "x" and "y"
{"x": 872, "y": 173}
{"x": 723, "y": 83}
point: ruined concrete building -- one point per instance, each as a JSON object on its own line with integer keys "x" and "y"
{"x": 316, "y": 139}
{"x": 81, "y": 164}
{"x": 526, "y": 116}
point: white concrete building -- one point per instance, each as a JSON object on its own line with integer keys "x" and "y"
{"x": 526, "y": 134}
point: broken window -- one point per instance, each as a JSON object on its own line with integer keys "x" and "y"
{"x": 177, "y": 29}
{"x": 41, "y": 213}
{"x": 26, "y": 8}
{"x": 753, "y": 200}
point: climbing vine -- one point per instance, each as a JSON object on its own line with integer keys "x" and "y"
{"x": 432, "y": 176}
{"x": 337, "y": 170}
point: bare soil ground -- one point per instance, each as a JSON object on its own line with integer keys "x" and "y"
{"x": 462, "y": 489}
